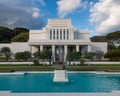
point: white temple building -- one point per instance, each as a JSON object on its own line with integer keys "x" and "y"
{"x": 61, "y": 37}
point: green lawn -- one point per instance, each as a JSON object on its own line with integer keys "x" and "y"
{"x": 96, "y": 67}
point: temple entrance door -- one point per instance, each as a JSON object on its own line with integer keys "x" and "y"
{"x": 59, "y": 53}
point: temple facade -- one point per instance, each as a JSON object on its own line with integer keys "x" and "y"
{"x": 60, "y": 37}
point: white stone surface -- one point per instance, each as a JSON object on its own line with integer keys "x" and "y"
{"x": 62, "y": 32}
{"x": 77, "y": 62}
{"x": 8, "y": 93}
{"x": 72, "y": 62}
{"x": 16, "y": 46}
{"x": 99, "y": 46}
{"x": 60, "y": 76}
{"x": 103, "y": 63}
{"x": 59, "y": 24}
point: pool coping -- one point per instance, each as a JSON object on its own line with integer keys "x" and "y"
{"x": 24, "y": 72}
{"x": 8, "y": 93}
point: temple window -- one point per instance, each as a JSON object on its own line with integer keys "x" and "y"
{"x": 50, "y": 34}
{"x": 67, "y": 33}
{"x": 53, "y": 33}
{"x": 60, "y": 33}
{"x": 57, "y": 34}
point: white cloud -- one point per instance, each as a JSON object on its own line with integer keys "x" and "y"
{"x": 21, "y": 13}
{"x": 42, "y": 2}
{"x": 36, "y": 15}
{"x": 105, "y": 15}
{"x": 66, "y": 7}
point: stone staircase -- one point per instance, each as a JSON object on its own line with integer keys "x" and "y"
{"x": 60, "y": 65}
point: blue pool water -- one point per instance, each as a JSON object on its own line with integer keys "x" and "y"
{"x": 43, "y": 82}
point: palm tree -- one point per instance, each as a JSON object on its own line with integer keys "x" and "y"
{"x": 6, "y": 51}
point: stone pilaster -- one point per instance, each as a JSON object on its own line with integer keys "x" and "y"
{"x": 53, "y": 53}
{"x": 65, "y": 52}
{"x": 77, "y": 48}
{"x": 89, "y": 48}
{"x": 41, "y": 47}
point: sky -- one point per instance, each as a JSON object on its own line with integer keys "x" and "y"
{"x": 98, "y": 16}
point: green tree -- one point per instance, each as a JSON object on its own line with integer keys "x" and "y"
{"x": 48, "y": 55}
{"x": 45, "y": 54}
{"x": 82, "y": 61}
{"x": 36, "y": 62}
{"x": 99, "y": 55}
{"x": 118, "y": 47}
{"x": 113, "y": 55}
{"x": 26, "y": 55}
{"x": 111, "y": 47}
{"x": 89, "y": 55}
{"x": 18, "y": 56}
{"x": 36, "y": 54}
{"x": 73, "y": 56}
{"x": 5, "y": 34}
{"x": 6, "y": 51}
{"x": 23, "y": 55}
{"x": 113, "y": 35}
{"x": 19, "y": 30}
{"x": 22, "y": 37}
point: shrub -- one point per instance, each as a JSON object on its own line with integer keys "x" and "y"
{"x": 89, "y": 55}
{"x": 82, "y": 61}
{"x": 22, "y": 37}
{"x": 23, "y": 55}
{"x": 113, "y": 55}
{"x": 6, "y": 51}
{"x": 2, "y": 58}
{"x": 73, "y": 56}
{"x": 35, "y": 62}
{"x": 99, "y": 55}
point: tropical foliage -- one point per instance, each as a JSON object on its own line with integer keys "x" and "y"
{"x": 7, "y": 34}
{"x": 6, "y": 52}
{"x": 114, "y": 35}
{"x": 23, "y": 55}
{"x": 72, "y": 56}
{"x": 22, "y": 37}
{"x": 45, "y": 54}
{"x": 113, "y": 55}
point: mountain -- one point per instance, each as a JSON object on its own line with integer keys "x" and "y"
{"x": 99, "y": 39}
{"x": 7, "y": 34}
{"x": 113, "y": 36}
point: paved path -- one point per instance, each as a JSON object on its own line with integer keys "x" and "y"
{"x": 8, "y": 93}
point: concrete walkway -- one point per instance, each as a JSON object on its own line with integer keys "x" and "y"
{"x": 8, "y": 93}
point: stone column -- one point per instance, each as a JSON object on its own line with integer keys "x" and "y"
{"x": 41, "y": 47}
{"x": 77, "y": 48}
{"x": 88, "y": 48}
{"x": 31, "y": 50}
{"x": 53, "y": 53}
{"x": 65, "y": 52}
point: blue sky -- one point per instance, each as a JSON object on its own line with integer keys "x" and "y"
{"x": 98, "y": 16}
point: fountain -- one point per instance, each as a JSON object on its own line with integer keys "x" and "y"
{"x": 60, "y": 73}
